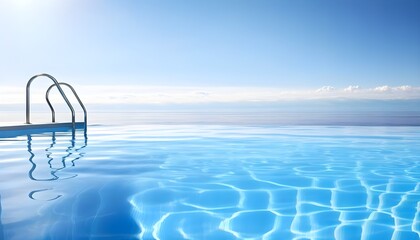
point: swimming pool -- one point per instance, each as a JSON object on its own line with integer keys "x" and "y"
{"x": 212, "y": 182}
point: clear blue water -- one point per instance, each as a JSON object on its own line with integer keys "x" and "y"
{"x": 212, "y": 182}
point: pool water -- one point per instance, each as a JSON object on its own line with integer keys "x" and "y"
{"x": 212, "y": 182}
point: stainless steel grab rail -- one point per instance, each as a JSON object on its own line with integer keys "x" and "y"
{"x": 28, "y": 100}
{"x": 47, "y": 97}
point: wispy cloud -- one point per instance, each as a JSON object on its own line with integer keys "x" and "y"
{"x": 404, "y": 88}
{"x": 352, "y": 88}
{"x": 325, "y": 89}
{"x": 166, "y": 95}
{"x": 382, "y": 89}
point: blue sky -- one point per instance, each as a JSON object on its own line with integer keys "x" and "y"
{"x": 265, "y": 44}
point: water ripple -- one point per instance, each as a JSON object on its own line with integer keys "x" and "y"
{"x": 215, "y": 182}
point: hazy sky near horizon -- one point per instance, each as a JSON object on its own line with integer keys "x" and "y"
{"x": 293, "y": 45}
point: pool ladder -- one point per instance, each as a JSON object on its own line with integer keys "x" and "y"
{"x": 55, "y": 84}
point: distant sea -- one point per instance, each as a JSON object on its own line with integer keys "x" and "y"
{"x": 214, "y": 117}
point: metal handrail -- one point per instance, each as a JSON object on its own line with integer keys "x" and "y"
{"x": 28, "y": 100}
{"x": 47, "y": 97}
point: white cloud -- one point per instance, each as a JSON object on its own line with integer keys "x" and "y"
{"x": 325, "y": 89}
{"x": 352, "y": 88}
{"x": 404, "y": 88}
{"x": 202, "y": 93}
{"x": 384, "y": 88}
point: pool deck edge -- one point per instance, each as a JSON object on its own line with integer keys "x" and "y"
{"x": 41, "y": 125}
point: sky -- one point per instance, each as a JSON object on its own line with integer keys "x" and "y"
{"x": 183, "y": 51}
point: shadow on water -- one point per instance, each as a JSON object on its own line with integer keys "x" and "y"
{"x": 97, "y": 212}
